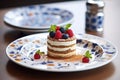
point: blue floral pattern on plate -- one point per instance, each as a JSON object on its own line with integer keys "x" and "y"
{"x": 37, "y": 17}
{"x": 21, "y": 51}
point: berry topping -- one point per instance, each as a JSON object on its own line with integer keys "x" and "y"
{"x": 65, "y": 36}
{"x": 62, "y": 30}
{"x": 38, "y": 54}
{"x": 86, "y": 57}
{"x": 58, "y": 34}
{"x": 52, "y": 34}
{"x": 85, "y": 60}
{"x": 57, "y": 28}
{"x": 70, "y": 32}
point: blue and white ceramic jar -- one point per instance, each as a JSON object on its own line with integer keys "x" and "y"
{"x": 94, "y": 15}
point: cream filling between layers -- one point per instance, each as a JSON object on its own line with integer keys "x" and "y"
{"x": 62, "y": 49}
{"x": 62, "y": 55}
{"x": 58, "y": 43}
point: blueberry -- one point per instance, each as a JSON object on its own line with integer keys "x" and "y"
{"x": 65, "y": 36}
{"x": 62, "y": 30}
{"x": 52, "y": 34}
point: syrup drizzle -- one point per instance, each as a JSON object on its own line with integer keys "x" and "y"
{"x": 70, "y": 59}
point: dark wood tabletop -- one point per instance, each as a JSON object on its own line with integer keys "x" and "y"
{"x": 11, "y": 71}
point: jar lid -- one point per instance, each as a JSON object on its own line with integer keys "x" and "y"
{"x": 95, "y": 6}
{"x": 99, "y": 3}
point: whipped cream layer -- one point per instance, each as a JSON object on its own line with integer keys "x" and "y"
{"x": 62, "y": 49}
{"x": 61, "y": 42}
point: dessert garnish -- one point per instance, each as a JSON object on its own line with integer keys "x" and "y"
{"x": 59, "y": 32}
{"x": 86, "y": 57}
{"x": 38, "y": 54}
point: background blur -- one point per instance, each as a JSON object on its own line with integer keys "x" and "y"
{"x": 17, "y": 3}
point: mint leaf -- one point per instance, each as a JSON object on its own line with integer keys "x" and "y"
{"x": 38, "y": 51}
{"x": 88, "y": 54}
{"x": 67, "y": 26}
{"x": 52, "y": 28}
{"x": 42, "y": 52}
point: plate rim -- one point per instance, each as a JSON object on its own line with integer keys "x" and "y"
{"x": 36, "y": 28}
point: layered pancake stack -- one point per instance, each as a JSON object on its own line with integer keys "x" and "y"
{"x": 61, "y": 42}
{"x": 60, "y": 48}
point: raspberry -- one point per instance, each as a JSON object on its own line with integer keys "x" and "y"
{"x": 37, "y": 56}
{"x": 85, "y": 60}
{"x": 57, "y": 28}
{"x": 70, "y": 32}
{"x": 58, "y": 34}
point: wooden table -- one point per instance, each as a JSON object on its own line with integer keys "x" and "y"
{"x": 11, "y": 71}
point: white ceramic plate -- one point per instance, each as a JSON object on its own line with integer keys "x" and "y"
{"x": 21, "y": 51}
{"x": 37, "y": 17}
